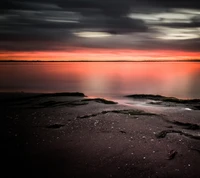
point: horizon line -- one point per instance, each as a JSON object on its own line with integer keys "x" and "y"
{"x": 182, "y": 60}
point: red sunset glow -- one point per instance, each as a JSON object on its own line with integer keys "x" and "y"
{"x": 100, "y": 55}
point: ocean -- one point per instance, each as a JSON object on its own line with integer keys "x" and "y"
{"x": 103, "y": 79}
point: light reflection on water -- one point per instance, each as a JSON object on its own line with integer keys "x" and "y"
{"x": 103, "y": 79}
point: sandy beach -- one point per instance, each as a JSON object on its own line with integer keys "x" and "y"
{"x": 71, "y": 135}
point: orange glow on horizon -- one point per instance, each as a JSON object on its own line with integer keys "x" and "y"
{"x": 100, "y": 55}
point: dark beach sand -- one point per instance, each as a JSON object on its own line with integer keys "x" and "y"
{"x": 69, "y": 135}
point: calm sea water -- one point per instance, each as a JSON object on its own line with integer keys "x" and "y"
{"x": 103, "y": 79}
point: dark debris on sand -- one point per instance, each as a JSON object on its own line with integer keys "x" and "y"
{"x": 172, "y": 154}
{"x": 100, "y": 100}
{"x": 188, "y": 126}
{"x": 193, "y": 103}
{"x": 164, "y": 133}
{"x": 51, "y": 103}
{"x": 23, "y": 99}
{"x": 129, "y": 112}
{"x": 55, "y": 126}
{"x": 164, "y": 98}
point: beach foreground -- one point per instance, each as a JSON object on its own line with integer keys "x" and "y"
{"x": 71, "y": 135}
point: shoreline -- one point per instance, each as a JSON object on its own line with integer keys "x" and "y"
{"x": 71, "y": 135}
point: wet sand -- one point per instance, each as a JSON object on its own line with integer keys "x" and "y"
{"x": 71, "y": 135}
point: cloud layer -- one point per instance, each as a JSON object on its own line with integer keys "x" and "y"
{"x": 129, "y": 24}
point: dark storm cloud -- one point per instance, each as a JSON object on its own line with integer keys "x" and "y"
{"x": 32, "y": 25}
{"x": 30, "y": 5}
{"x": 182, "y": 25}
{"x": 177, "y": 3}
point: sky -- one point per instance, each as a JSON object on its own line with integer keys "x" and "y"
{"x": 99, "y": 30}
